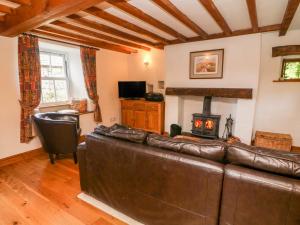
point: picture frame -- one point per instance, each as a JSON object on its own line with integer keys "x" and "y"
{"x": 207, "y": 64}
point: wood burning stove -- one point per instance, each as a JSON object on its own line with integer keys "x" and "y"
{"x": 206, "y": 124}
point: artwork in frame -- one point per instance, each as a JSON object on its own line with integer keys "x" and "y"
{"x": 207, "y": 64}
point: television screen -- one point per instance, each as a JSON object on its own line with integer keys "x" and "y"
{"x": 132, "y": 89}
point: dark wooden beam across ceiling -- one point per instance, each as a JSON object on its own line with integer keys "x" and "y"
{"x": 275, "y": 27}
{"x": 130, "y": 9}
{"x": 28, "y": 17}
{"x": 251, "y": 4}
{"x": 180, "y": 16}
{"x": 95, "y": 43}
{"x": 288, "y": 16}
{"x": 109, "y": 30}
{"x": 5, "y": 9}
{"x": 123, "y": 23}
{"x": 215, "y": 13}
{"x": 98, "y": 35}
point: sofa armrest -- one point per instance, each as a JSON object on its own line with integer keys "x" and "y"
{"x": 82, "y": 166}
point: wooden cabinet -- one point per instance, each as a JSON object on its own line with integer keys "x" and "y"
{"x": 144, "y": 115}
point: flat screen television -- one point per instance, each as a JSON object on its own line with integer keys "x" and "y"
{"x": 132, "y": 89}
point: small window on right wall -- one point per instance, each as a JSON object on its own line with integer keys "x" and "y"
{"x": 290, "y": 69}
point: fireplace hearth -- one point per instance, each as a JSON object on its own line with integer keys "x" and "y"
{"x": 205, "y": 124}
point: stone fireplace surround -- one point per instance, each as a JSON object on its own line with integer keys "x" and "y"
{"x": 182, "y": 102}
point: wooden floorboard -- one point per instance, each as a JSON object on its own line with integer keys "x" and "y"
{"x": 33, "y": 191}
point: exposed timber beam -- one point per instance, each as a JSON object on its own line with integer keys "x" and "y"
{"x": 109, "y": 30}
{"x": 96, "y": 43}
{"x": 253, "y": 14}
{"x": 216, "y": 15}
{"x": 275, "y": 27}
{"x": 123, "y": 23}
{"x": 176, "y": 13}
{"x": 28, "y": 17}
{"x": 130, "y": 9}
{"x": 21, "y": 2}
{"x": 5, "y": 9}
{"x": 98, "y": 35}
{"x": 288, "y": 16}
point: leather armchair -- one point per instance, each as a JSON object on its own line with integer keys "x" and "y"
{"x": 58, "y": 133}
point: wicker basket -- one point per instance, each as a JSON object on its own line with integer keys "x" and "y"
{"x": 273, "y": 140}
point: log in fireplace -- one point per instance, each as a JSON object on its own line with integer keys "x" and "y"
{"x": 205, "y": 124}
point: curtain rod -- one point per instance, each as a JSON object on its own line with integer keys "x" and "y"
{"x": 63, "y": 42}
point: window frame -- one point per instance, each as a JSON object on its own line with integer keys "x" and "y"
{"x": 66, "y": 78}
{"x": 284, "y": 62}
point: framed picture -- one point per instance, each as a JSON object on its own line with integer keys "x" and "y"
{"x": 206, "y": 64}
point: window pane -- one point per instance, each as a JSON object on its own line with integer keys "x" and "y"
{"x": 57, "y": 60}
{"x": 61, "y": 90}
{"x": 48, "y": 92}
{"x": 57, "y": 72}
{"x": 45, "y": 71}
{"x": 292, "y": 70}
{"x": 45, "y": 59}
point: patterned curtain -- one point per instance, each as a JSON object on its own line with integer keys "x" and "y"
{"x": 30, "y": 82}
{"x": 88, "y": 59}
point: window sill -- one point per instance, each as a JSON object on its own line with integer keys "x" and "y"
{"x": 291, "y": 80}
{"x": 87, "y": 112}
{"x": 53, "y": 106}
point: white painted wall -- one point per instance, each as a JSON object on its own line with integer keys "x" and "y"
{"x": 152, "y": 73}
{"x": 241, "y": 70}
{"x": 278, "y": 104}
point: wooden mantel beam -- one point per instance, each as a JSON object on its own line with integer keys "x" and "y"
{"x": 180, "y": 16}
{"x": 253, "y": 14}
{"x": 130, "y": 9}
{"x": 39, "y": 12}
{"x": 288, "y": 16}
{"x": 215, "y": 13}
{"x": 123, "y": 23}
{"x": 244, "y": 93}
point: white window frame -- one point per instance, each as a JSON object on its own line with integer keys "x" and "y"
{"x": 66, "y": 78}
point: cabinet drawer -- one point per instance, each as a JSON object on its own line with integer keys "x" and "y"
{"x": 126, "y": 104}
{"x": 152, "y": 107}
{"x": 139, "y": 106}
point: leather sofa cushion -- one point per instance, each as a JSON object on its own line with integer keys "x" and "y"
{"x": 274, "y": 161}
{"x": 207, "y": 149}
{"x": 122, "y": 132}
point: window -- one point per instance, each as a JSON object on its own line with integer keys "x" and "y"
{"x": 55, "y": 82}
{"x": 290, "y": 69}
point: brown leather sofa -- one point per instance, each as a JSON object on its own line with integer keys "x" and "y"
{"x": 159, "y": 180}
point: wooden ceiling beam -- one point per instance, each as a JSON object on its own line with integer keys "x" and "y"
{"x": 275, "y": 27}
{"x": 21, "y": 2}
{"x": 288, "y": 16}
{"x": 123, "y": 23}
{"x": 251, "y": 4}
{"x": 27, "y": 17}
{"x": 130, "y": 9}
{"x": 61, "y": 39}
{"x": 96, "y": 43}
{"x": 109, "y": 30}
{"x": 98, "y": 35}
{"x": 5, "y": 9}
{"x": 170, "y": 8}
{"x": 216, "y": 15}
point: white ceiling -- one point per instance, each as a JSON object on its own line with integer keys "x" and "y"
{"x": 235, "y": 12}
